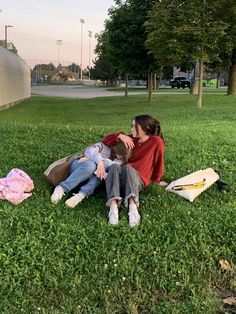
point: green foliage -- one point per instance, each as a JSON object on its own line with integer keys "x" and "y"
{"x": 227, "y": 13}
{"x": 74, "y": 68}
{"x": 42, "y": 70}
{"x": 59, "y": 260}
{"x": 181, "y": 29}
{"x": 228, "y": 9}
{"x": 10, "y": 46}
{"x": 103, "y": 70}
{"x": 123, "y": 41}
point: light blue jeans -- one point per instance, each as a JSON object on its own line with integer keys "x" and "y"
{"x": 82, "y": 172}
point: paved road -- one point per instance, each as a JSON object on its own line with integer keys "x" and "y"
{"x": 69, "y": 91}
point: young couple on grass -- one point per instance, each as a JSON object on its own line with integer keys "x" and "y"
{"x": 127, "y": 163}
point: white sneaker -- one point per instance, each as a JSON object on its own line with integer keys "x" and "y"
{"x": 113, "y": 216}
{"x": 74, "y": 200}
{"x": 134, "y": 218}
{"x": 57, "y": 194}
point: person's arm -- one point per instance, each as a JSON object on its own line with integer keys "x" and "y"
{"x": 93, "y": 152}
{"x": 158, "y": 169}
{"x": 112, "y": 139}
{"x": 96, "y": 154}
{"x": 127, "y": 140}
{"x": 100, "y": 171}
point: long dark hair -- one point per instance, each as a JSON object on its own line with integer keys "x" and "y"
{"x": 149, "y": 125}
{"x": 122, "y": 150}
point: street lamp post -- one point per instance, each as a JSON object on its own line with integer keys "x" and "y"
{"x": 6, "y": 27}
{"x": 59, "y": 43}
{"x": 81, "y": 51}
{"x": 90, "y": 36}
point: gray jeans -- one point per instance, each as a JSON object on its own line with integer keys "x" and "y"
{"x": 123, "y": 180}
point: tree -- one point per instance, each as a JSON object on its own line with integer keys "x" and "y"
{"x": 105, "y": 66}
{"x": 10, "y": 46}
{"x": 124, "y": 38}
{"x": 220, "y": 65}
{"x": 74, "y": 68}
{"x": 229, "y": 46}
{"x": 41, "y": 72}
{"x": 104, "y": 70}
{"x": 232, "y": 74}
{"x": 182, "y": 30}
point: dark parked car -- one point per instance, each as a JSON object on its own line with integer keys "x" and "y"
{"x": 180, "y": 82}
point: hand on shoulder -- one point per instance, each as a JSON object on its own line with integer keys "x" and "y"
{"x": 127, "y": 140}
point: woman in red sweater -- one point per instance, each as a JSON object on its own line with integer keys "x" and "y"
{"x": 145, "y": 165}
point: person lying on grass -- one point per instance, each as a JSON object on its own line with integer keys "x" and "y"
{"x": 124, "y": 182}
{"x": 89, "y": 171}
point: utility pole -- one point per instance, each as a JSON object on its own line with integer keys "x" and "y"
{"x": 59, "y": 43}
{"x": 6, "y": 27}
{"x": 90, "y": 36}
{"x": 81, "y": 51}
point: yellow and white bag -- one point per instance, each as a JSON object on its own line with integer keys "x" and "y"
{"x": 193, "y": 184}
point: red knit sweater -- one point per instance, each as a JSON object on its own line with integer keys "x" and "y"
{"x": 147, "y": 157}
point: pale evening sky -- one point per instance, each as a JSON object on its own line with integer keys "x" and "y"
{"x": 38, "y": 24}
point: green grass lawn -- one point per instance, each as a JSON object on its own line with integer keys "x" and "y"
{"x": 206, "y": 90}
{"x": 59, "y": 260}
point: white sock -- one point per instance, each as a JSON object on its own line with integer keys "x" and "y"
{"x": 133, "y": 207}
{"x": 113, "y": 207}
{"x": 75, "y": 200}
{"x": 80, "y": 196}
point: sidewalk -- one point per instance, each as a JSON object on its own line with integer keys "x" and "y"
{"x": 69, "y": 91}
{"x": 82, "y": 92}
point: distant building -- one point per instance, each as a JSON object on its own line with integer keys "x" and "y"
{"x": 63, "y": 75}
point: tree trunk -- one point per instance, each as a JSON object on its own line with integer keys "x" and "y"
{"x": 194, "y": 83}
{"x": 199, "y": 96}
{"x": 194, "y": 88}
{"x": 159, "y": 79}
{"x": 150, "y": 86}
{"x": 232, "y": 75}
{"x": 126, "y": 84}
{"x": 154, "y": 80}
{"x": 218, "y": 80}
